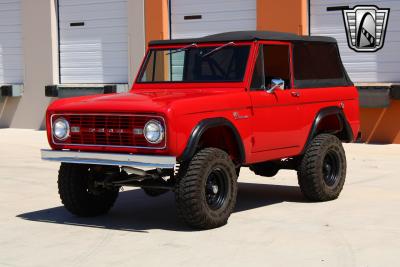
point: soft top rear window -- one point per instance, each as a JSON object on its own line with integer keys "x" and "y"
{"x": 196, "y": 64}
{"x": 318, "y": 65}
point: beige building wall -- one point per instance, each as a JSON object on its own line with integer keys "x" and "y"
{"x": 41, "y": 66}
{"x": 39, "y": 41}
{"x": 136, "y": 35}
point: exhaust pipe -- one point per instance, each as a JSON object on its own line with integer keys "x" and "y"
{"x": 138, "y": 172}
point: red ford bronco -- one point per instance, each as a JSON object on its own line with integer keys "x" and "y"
{"x": 198, "y": 111}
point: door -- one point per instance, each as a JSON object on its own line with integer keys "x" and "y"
{"x": 194, "y": 18}
{"x": 93, "y": 41}
{"x": 11, "y": 56}
{"x": 277, "y": 114}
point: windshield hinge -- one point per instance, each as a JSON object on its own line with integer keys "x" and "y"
{"x": 182, "y": 49}
{"x": 218, "y": 48}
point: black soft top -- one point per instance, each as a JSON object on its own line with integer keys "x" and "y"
{"x": 316, "y": 59}
{"x": 247, "y": 36}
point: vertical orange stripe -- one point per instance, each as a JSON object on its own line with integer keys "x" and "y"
{"x": 156, "y": 20}
{"x": 381, "y": 125}
{"x": 283, "y": 15}
{"x": 375, "y": 126}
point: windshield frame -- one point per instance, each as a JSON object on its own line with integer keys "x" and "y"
{"x": 239, "y": 83}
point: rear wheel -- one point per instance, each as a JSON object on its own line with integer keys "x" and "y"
{"x": 322, "y": 170}
{"x": 80, "y": 195}
{"x": 206, "y": 189}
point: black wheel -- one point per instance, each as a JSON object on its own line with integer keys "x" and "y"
{"x": 322, "y": 170}
{"x": 154, "y": 192}
{"x": 79, "y": 194}
{"x": 206, "y": 189}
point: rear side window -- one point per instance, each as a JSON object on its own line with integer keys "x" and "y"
{"x": 314, "y": 61}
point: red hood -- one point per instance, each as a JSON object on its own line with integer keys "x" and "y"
{"x": 143, "y": 101}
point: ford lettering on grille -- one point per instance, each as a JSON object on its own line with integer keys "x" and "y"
{"x": 108, "y": 130}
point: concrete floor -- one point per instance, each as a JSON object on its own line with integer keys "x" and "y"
{"x": 272, "y": 225}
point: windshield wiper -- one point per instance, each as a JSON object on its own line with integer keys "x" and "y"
{"x": 182, "y": 49}
{"x": 218, "y": 48}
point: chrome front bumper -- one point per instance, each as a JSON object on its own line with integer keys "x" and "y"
{"x": 144, "y": 162}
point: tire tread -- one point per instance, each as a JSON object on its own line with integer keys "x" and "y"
{"x": 309, "y": 175}
{"x": 187, "y": 193}
{"x": 75, "y": 198}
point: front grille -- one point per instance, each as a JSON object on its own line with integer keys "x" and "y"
{"x": 108, "y": 130}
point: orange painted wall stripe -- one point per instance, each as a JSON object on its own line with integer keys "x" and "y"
{"x": 380, "y": 125}
{"x": 156, "y": 20}
{"x": 283, "y": 15}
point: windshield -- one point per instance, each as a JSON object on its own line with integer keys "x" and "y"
{"x": 224, "y": 63}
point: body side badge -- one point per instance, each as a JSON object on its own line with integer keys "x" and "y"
{"x": 237, "y": 116}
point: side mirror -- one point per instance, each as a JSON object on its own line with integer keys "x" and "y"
{"x": 276, "y": 84}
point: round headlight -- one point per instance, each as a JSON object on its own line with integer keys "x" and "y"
{"x": 61, "y": 129}
{"x": 153, "y": 132}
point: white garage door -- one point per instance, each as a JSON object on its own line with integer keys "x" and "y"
{"x": 196, "y": 18}
{"x": 93, "y": 41}
{"x": 381, "y": 66}
{"x": 11, "y": 67}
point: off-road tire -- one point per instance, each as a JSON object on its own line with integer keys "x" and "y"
{"x": 191, "y": 194}
{"x": 154, "y": 192}
{"x": 312, "y": 178}
{"x": 73, "y": 181}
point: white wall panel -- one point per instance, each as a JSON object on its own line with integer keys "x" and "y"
{"x": 217, "y": 16}
{"x": 11, "y": 55}
{"x": 96, "y": 52}
{"x": 381, "y": 66}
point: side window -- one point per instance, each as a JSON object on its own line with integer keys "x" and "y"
{"x": 273, "y": 62}
{"x": 258, "y": 78}
{"x": 277, "y": 63}
{"x": 317, "y": 61}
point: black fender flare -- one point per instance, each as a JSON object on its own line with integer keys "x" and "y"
{"x": 323, "y": 113}
{"x": 201, "y": 128}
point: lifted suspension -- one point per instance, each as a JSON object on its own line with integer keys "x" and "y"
{"x": 127, "y": 176}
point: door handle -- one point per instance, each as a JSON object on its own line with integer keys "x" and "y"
{"x": 295, "y": 94}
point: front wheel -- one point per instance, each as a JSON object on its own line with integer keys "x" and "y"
{"x": 206, "y": 190}
{"x": 79, "y": 194}
{"x": 322, "y": 170}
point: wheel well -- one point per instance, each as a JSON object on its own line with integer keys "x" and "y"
{"x": 330, "y": 120}
{"x": 333, "y": 124}
{"x": 221, "y": 137}
{"x": 215, "y": 132}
